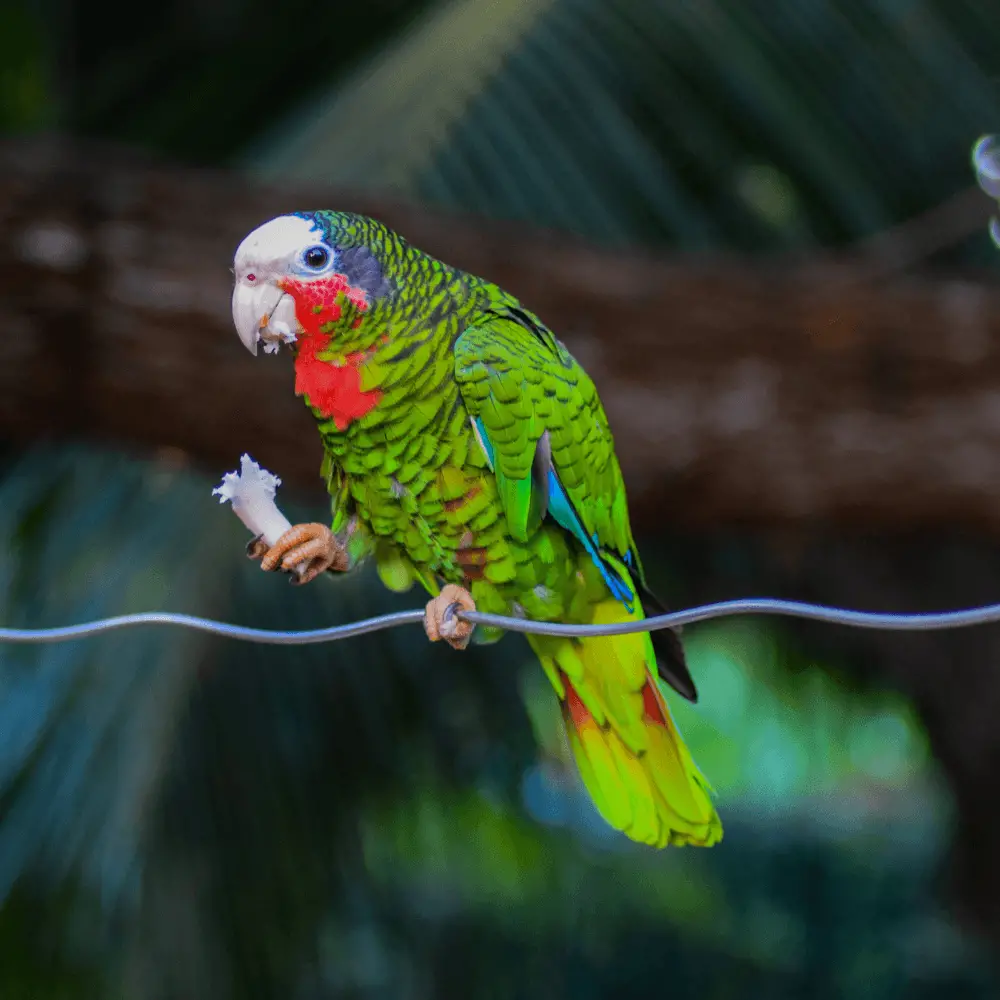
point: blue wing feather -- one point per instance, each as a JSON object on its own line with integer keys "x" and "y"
{"x": 565, "y": 516}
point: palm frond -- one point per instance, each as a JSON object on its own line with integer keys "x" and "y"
{"x": 755, "y": 125}
{"x": 406, "y": 93}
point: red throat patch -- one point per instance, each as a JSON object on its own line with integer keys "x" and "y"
{"x": 334, "y": 390}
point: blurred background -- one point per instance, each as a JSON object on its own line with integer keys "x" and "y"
{"x": 755, "y": 223}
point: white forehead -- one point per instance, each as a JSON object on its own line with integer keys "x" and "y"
{"x": 276, "y": 240}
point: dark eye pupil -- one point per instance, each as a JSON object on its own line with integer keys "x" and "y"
{"x": 317, "y": 257}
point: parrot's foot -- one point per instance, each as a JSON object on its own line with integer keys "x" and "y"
{"x": 440, "y": 620}
{"x": 305, "y": 551}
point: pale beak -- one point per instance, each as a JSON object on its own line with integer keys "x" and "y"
{"x": 253, "y": 309}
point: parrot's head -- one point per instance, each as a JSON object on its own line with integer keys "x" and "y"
{"x": 307, "y": 266}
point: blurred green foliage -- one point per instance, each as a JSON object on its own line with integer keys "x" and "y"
{"x": 27, "y": 101}
{"x": 778, "y": 727}
{"x": 182, "y": 817}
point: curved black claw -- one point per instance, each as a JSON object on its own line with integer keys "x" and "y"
{"x": 256, "y": 547}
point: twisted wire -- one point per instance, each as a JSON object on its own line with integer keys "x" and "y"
{"x": 891, "y": 621}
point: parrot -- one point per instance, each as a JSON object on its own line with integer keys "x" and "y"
{"x": 466, "y": 450}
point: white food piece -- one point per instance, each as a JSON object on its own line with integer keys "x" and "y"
{"x": 251, "y": 492}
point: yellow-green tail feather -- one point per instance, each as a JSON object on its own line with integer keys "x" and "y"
{"x": 632, "y": 759}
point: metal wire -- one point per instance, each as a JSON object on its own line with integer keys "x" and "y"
{"x": 722, "y": 609}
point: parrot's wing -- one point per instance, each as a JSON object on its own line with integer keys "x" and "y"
{"x": 547, "y": 439}
{"x": 545, "y": 435}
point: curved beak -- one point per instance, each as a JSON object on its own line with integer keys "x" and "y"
{"x": 253, "y": 309}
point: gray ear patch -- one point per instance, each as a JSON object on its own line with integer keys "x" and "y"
{"x": 363, "y": 270}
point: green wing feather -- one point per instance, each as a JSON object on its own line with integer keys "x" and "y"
{"x": 521, "y": 383}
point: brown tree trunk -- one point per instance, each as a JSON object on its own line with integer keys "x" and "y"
{"x": 737, "y": 393}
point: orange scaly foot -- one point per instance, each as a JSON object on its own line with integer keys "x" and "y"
{"x": 440, "y": 620}
{"x": 311, "y": 545}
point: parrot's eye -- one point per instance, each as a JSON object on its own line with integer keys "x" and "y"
{"x": 316, "y": 258}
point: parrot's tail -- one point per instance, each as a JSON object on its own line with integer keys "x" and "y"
{"x": 631, "y": 756}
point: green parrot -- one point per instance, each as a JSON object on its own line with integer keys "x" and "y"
{"x": 465, "y": 449}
